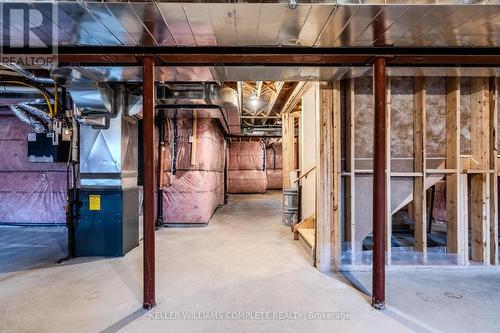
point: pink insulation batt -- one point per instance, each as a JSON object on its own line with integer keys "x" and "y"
{"x": 29, "y": 192}
{"x": 245, "y": 168}
{"x": 195, "y": 191}
{"x": 274, "y": 166}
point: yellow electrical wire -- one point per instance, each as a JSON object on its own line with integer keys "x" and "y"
{"x": 51, "y": 112}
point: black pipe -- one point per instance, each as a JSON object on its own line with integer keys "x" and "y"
{"x": 226, "y": 197}
{"x": 274, "y": 157}
{"x": 264, "y": 157}
{"x": 431, "y": 212}
{"x": 75, "y": 211}
{"x": 161, "y": 145}
{"x": 174, "y": 148}
{"x": 161, "y": 107}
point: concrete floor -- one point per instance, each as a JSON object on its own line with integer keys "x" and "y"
{"x": 243, "y": 263}
{"x": 24, "y": 248}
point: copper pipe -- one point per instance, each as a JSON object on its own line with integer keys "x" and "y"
{"x": 379, "y": 190}
{"x": 148, "y": 125}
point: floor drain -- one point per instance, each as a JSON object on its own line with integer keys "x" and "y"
{"x": 453, "y": 295}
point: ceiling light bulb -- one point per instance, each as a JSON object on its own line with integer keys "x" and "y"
{"x": 254, "y": 101}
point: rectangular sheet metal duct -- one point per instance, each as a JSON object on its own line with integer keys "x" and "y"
{"x": 456, "y": 23}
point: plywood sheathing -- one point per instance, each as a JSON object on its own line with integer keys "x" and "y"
{"x": 401, "y": 188}
{"x": 363, "y": 123}
{"x": 465, "y": 125}
{"x": 436, "y": 119}
{"x": 401, "y": 122}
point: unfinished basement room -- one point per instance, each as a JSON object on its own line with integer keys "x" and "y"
{"x": 249, "y": 166}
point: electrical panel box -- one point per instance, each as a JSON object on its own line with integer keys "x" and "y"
{"x": 47, "y": 148}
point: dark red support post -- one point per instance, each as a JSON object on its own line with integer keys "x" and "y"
{"x": 379, "y": 197}
{"x": 148, "y": 122}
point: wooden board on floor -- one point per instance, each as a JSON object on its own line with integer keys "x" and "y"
{"x": 307, "y": 223}
{"x": 307, "y": 239}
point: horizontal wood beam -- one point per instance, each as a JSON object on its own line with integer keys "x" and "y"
{"x": 281, "y": 56}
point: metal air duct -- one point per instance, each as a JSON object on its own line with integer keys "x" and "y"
{"x": 37, "y": 119}
{"x": 210, "y": 99}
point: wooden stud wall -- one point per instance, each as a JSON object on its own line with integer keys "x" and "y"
{"x": 476, "y": 173}
{"x": 350, "y": 184}
{"x": 328, "y": 177}
{"x": 493, "y": 108}
{"x": 288, "y": 146}
{"x": 479, "y": 181}
{"x": 456, "y": 225}
{"x": 324, "y": 179}
{"x": 337, "y": 178}
{"x": 419, "y": 165}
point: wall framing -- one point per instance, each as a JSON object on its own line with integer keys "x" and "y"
{"x": 471, "y": 179}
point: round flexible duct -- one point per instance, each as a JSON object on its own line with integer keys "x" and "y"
{"x": 33, "y": 120}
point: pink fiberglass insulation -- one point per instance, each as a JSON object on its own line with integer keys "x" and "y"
{"x": 274, "y": 179}
{"x": 245, "y": 155}
{"x": 29, "y": 192}
{"x": 192, "y": 194}
{"x": 246, "y": 167}
{"x": 274, "y": 157}
{"x": 247, "y": 181}
{"x": 274, "y": 165}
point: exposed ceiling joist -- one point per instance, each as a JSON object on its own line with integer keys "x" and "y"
{"x": 278, "y": 86}
{"x": 294, "y": 97}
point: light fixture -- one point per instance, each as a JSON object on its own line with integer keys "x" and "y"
{"x": 254, "y": 101}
